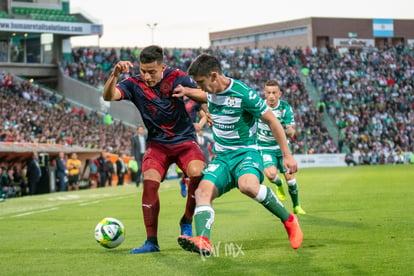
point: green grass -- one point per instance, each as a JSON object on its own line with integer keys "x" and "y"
{"x": 360, "y": 221}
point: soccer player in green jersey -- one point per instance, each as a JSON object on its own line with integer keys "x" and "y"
{"x": 234, "y": 109}
{"x": 269, "y": 148}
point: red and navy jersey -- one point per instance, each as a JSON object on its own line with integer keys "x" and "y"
{"x": 164, "y": 116}
{"x": 192, "y": 108}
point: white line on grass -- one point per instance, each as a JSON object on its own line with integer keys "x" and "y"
{"x": 36, "y": 212}
{"x": 89, "y": 203}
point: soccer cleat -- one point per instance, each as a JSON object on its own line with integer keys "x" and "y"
{"x": 147, "y": 247}
{"x": 294, "y": 232}
{"x": 186, "y": 229}
{"x": 298, "y": 210}
{"x": 280, "y": 192}
{"x": 199, "y": 244}
{"x": 183, "y": 188}
{"x": 184, "y": 242}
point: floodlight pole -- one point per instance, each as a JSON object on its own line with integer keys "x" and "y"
{"x": 152, "y": 27}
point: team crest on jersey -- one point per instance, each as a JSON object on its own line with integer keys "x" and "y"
{"x": 231, "y": 101}
{"x": 278, "y": 113}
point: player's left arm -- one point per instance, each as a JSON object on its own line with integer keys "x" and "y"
{"x": 278, "y": 132}
{"x": 203, "y": 119}
{"x": 290, "y": 131}
{"x": 289, "y": 122}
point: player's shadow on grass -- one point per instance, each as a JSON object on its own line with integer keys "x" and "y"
{"x": 325, "y": 221}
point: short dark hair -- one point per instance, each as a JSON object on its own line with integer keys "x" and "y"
{"x": 203, "y": 65}
{"x": 272, "y": 83}
{"x": 151, "y": 53}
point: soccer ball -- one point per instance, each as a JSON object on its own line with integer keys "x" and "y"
{"x": 110, "y": 232}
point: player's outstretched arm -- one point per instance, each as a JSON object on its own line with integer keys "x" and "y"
{"x": 195, "y": 94}
{"x": 111, "y": 93}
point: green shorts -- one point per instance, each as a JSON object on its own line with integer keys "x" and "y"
{"x": 226, "y": 168}
{"x": 273, "y": 158}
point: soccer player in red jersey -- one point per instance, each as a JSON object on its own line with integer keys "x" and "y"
{"x": 171, "y": 134}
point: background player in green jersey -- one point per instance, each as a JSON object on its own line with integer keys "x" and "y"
{"x": 269, "y": 148}
{"x": 234, "y": 110}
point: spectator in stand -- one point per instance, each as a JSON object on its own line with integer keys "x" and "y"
{"x": 7, "y": 182}
{"x": 110, "y": 170}
{"x": 138, "y": 146}
{"x": 94, "y": 173}
{"x": 349, "y": 159}
{"x": 121, "y": 169}
{"x": 133, "y": 169}
{"x": 33, "y": 174}
{"x": 61, "y": 172}
{"x": 73, "y": 165}
{"x": 19, "y": 180}
{"x": 102, "y": 170}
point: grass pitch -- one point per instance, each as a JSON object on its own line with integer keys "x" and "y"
{"x": 360, "y": 221}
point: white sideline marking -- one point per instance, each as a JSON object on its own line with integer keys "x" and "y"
{"x": 35, "y": 212}
{"x": 76, "y": 199}
{"x": 66, "y": 197}
{"x": 89, "y": 203}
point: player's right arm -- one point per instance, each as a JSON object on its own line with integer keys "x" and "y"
{"x": 279, "y": 134}
{"x": 111, "y": 93}
{"x": 195, "y": 94}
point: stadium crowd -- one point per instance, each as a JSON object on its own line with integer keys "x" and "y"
{"x": 370, "y": 95}
{"x": 29, "y": 115}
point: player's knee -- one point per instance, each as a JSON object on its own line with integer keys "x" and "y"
{"x": 249, "y": 190}
{"x": 270, "y": 173}
{"x": 194, "y": 169}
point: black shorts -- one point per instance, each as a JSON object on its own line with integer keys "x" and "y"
{"x": 73, "y": 179}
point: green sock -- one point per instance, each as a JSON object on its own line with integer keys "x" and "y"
{"x": 277, "y": 181}
{"x": 293, "y": 191}
{"x": 269, "y": 200}
{"x": 203, "y": 220}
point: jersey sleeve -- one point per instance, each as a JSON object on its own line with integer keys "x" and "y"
{"x": 185, "y": 81}
{"x": 289, "y": 118}
{"x": 125, "y": 87}
{"x": 254, "y": 104}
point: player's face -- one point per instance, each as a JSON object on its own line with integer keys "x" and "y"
{"x": 207, "y": 83}
{"x": 272, "y": 95}
{"x": 152, "y": 73}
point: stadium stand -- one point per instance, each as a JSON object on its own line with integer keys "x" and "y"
{"x": 30, "y": 115}
{"x": 369, "y": 94}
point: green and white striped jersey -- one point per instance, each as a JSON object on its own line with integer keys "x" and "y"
{"x": 265, "y": 140}
{"x": 234, "y": 113}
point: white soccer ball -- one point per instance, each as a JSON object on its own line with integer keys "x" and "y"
{"x": 110, "y": 232}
